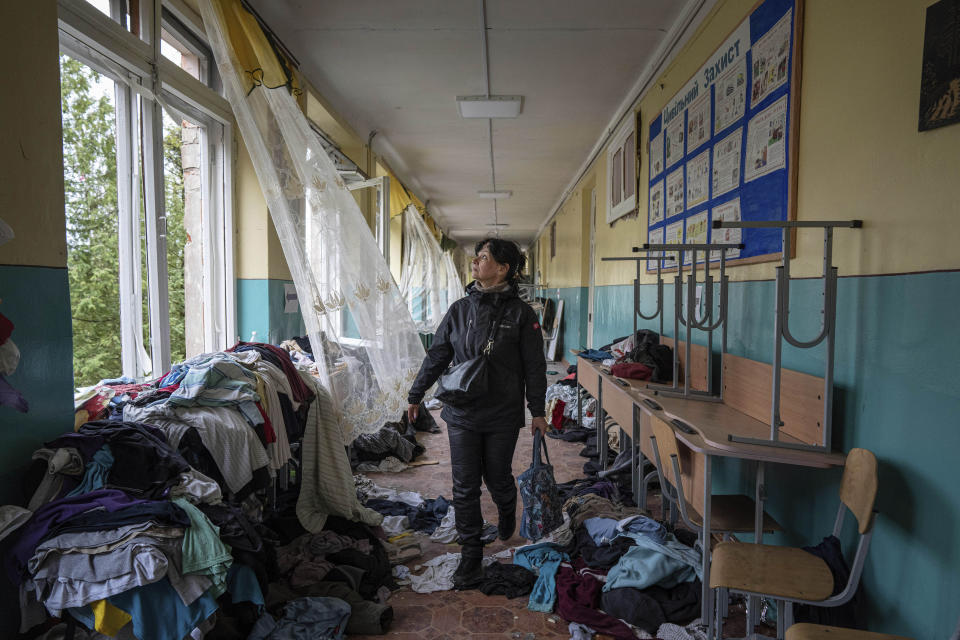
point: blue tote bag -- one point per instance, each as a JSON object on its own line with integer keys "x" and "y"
{"x": 542, "y": 509}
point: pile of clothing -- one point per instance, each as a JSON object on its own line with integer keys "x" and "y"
{"x": 640, "y": 357}
{"x": 393, "y": 446}
{"x": 611, "y": 570}
{"x": 171, "y": 511}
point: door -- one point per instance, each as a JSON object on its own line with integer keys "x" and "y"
{"x": 591, "y": 292}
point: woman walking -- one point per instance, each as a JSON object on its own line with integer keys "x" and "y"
{"x": 483, "y": 432}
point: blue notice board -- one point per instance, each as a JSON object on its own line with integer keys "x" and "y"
{"x": 724, "y": 146}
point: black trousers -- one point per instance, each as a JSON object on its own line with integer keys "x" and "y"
{"x": 476, "y": 456}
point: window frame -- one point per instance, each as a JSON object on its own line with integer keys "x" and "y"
{"x": 139, "y": 70}
{"x": 623, "y": 204}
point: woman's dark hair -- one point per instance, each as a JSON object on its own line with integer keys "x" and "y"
{"x": 505, "y": 252}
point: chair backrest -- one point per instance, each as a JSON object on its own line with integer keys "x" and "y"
{"x": 666, "y": 446}
{"x": 858, "y": 488}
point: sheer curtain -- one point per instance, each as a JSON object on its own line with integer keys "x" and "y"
{"x": 423, "y": 278}
{"x": 453, "y": 287}
{"x": 362, "y": 334}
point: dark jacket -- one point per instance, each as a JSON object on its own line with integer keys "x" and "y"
{"x": 517, "y": 356}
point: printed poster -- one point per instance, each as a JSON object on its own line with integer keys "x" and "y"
{"x": 675, "y": 193}
{"x": 654, "y": 237}
{"x": 698, "y": 122}
{"x": 673, "y": 235}
{"x": 656, "y": 155}
{"x": 726, "y": 163}
{"x": 698, "y": 179}
{"x": 674, "y": 142}
{"x": 726, "y": 211}
{"x": 655, "y": 213}
{"x": 771, "y": 60}
{"x": 696, "y": 234}
{"x": 767, "y": 141}
{"x": 731, "y": 96}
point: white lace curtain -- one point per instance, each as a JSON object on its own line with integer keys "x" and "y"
{"x": 424, "y": 278}
{"x": 453, "y": 289}
{"x": 363, "y": 337}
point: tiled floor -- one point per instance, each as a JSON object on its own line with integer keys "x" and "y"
{"x": 470, "y": 614}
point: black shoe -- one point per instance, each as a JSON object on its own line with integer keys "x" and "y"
{"x": 506, "y": 524}
{"x": 469, "y": 572}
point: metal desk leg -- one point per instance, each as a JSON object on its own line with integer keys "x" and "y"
{"x": 636, "y": 461}
{"x": 706, "y": 612}
{"x": 601, "y": 426}
{"x": 760, "y": 495}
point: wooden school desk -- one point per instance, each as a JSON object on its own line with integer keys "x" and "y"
{"x": 630, "y": 402}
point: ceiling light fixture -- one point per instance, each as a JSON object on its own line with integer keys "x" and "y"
{"x": 498, "y": 224}
{"x": 494, "y": 195}
{"x": 489, "y": 106}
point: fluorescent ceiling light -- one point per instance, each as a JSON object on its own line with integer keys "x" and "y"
{"x": 498, "y": 224}
{"x": 494, "y": 195}
{"x": 489, "y": 106}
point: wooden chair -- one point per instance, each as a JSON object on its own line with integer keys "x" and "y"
{"x": 792, "y": 575}
{"x": 805, "y": 631}
{"x": 728, "y": 513}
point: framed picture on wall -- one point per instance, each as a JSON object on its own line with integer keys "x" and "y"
{"x": 940, "y": 79}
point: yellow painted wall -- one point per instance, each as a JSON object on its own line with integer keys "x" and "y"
{"x": 31, "y": 157}
{"x": 861, "y": 155}
{"x": 564, "y": 269}
{"x": 259, "y": 253}
{"x": 251, "y": 218}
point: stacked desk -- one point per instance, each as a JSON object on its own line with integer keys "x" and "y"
{"x": 630, "y": 402}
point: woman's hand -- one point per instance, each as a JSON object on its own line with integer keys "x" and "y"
{"x": 413, "y": 410}
{"x": 538, "y": 424}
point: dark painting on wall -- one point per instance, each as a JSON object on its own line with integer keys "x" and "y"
{"x": 940, "y": 80}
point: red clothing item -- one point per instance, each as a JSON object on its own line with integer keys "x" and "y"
{"x": 578, "y": 600}
{"x": 556, "y": 418}
{"x": 301, "y": 392}
{"x": 268, "y": 433}
{"x": 6, "y": 328}
{"x": 632, "y": 370}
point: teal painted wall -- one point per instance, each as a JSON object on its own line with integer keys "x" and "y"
{"x": 896, "y": 394}
{"x": 260, "y": 304}
{"x": 37, "y": 301}
{"x": 573, "y": 324}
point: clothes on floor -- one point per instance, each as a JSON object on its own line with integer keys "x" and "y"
{"x": 203, "y": 551}
{"x": 543, "y": 558}
{"x": 366, "y": 617}
{"x": 591, "y": 505}
{"x": 602, "y": 556}
{"x": 578, "y": 599}
{"x": 156, "y": 610}
{"x": 651, "y": 608}
{"x": 649, "y": 563}
{"x": 387, "y": 442}
{"x": 326, "y": 486}
{"x": 580, "y": 632}
{"x": 427, "y": 517}
{"x": 305, "y": 619}
{"x": 437, "y": 573}
{"x": 510, "y": 580}
{"x": 367, "y": 489}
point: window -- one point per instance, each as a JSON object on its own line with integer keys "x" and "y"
{"x": 622, "y": 173}
{"x": 149, "y": 222}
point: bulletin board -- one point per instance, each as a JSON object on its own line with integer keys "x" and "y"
{"x": 724, "y": 147}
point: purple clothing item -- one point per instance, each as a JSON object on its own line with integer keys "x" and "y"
{"x": 578, "y": 600}
{"x": 10, "y": 397}
{"x": 52, "y": 514}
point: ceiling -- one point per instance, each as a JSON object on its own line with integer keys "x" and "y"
{"x": 397, "y": 67}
